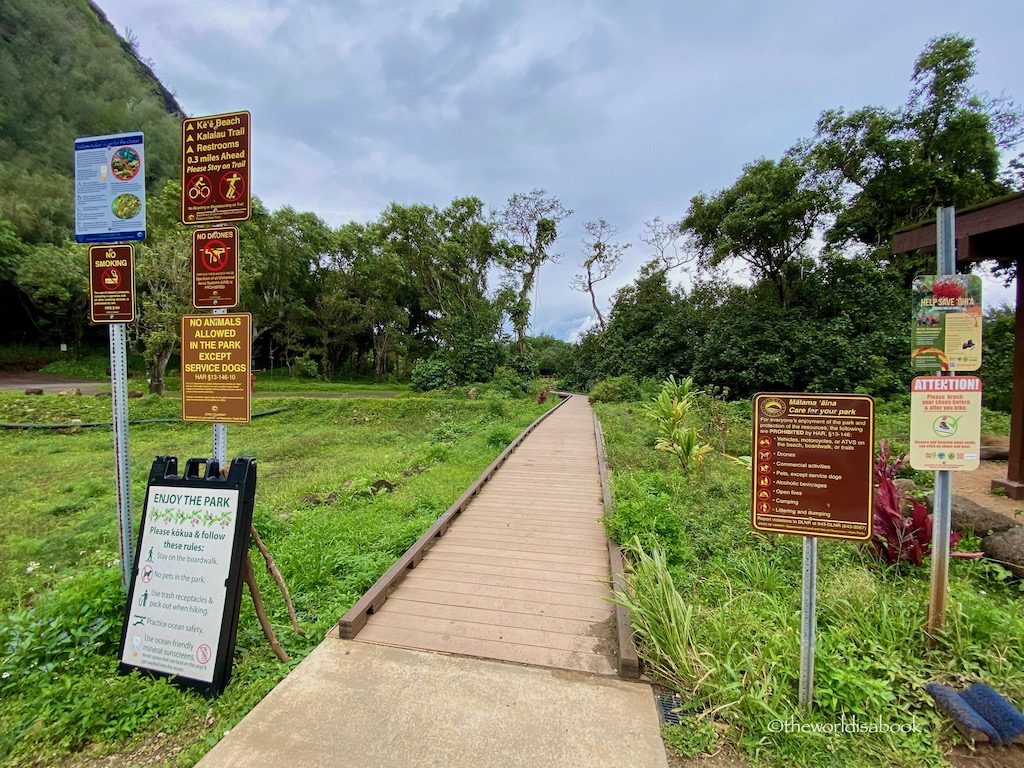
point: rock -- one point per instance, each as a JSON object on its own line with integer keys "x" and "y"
{"x": 905, "y": 485}
{"x": 969, "y": 516}
{"x": 995, "y": 452}
{"x": 383, "y": 486}
{"x": 72, "y": 391}
{"x": 34, "y": 391}
{"x": 1008, "y": 549}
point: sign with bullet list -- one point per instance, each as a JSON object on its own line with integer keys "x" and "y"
{"x": 183, "y": 602}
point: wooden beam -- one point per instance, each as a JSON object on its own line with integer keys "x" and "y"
{"x": 1000, "y": 214}
{"x": 1014, "y": 483}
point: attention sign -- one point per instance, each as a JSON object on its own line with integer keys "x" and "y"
{"x": 945, "y": 423}
{"x": 947, "y": 323}
{"x": 182, "y": 609}
{"x": 812, "y": 462}
{"x": 215, "y": 168}
{"x": 215, "y": 363}
{"x": 110, "y": 188}
{"x": 215, "y": 268}
{"x": 112, "y": 283}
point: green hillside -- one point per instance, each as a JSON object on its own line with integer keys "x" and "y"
{"x": 66, "y": 73}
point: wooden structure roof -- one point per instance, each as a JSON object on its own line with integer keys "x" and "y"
{"x": 991, "y": 230}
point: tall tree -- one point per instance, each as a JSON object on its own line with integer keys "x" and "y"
{"x": 602, "y": 256}
{"x": 530, "y": 221}
{"x": 665, "y": 241}
{"x": 765, "y": 219}
{"x": 894, "y": 167}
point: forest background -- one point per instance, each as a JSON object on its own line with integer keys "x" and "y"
{"x": 791, "y": 283}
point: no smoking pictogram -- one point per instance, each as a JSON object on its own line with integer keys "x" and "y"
{"x": 111, "y": 279}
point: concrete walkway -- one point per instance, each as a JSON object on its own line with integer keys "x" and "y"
{"x": 370, "y": 706}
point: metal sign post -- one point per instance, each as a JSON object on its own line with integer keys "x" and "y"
{"x": 941, "y": 520}
{"x": 812, "y": 461}
{"x": 808, "y": 608}
{"x": 122, "y": 478}
{"x": 220, "y": 431}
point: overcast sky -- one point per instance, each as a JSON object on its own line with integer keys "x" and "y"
{"x": 624, "y": 110}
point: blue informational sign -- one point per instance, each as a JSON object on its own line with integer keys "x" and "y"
{"x": 110, "y": 189}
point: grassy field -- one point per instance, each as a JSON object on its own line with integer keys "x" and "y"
{"x": 732, "y": 649}
{"x": 59, "y": 582}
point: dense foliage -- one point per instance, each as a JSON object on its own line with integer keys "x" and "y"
{"x": 717, "y": 613}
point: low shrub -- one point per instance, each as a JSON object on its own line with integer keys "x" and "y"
{"x": 509, "y": 381}
{"x": 617, "y": 389}
{"x": 432, "y": 373}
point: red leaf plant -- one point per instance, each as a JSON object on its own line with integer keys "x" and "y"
{"x": 899, "y": 536}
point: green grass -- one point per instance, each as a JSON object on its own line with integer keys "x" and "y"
{"x": 739, "y": 593}
{"x": 59, "y": 578}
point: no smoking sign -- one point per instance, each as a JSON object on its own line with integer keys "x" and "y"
{"x": 215, "y": 268}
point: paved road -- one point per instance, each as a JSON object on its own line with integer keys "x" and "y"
{"x": 49, "y": 383}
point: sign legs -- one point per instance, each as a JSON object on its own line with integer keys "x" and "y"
{"x": 122, "y": 478}
{"x": 807, "y": 622}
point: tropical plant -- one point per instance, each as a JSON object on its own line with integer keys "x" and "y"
{"x": 902, "y": 525}
{"x": 664, "y": 624}
{"x": 670, "y": 410}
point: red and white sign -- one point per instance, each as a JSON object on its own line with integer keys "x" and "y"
{"x": 215, "y": 268}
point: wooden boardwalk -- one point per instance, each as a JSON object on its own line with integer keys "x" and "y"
{"x": 522, "y": 574}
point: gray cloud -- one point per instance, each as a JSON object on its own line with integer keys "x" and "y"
{"x": 623, "y": 110}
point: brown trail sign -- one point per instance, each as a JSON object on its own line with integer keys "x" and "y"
{"x": 112, "y": 283}
{"x": 812, "y": 459}
{"x": 215, "y": 154}
{"x": 813, "y": 464}
{"x": 215, "y": 364}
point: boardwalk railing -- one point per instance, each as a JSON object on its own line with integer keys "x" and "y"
{"x": 629, "y": 661}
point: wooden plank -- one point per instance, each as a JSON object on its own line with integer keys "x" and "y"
{"x": 488, "y": 616}
{"x": 462, "y": 566}
{"x": 582, "y": 521}
{"x": 523, "y": 654}
{"x": 514, "y": 635}
{"x": 542, "y": 566}
{"x": 436, "y": 571}
{"x": 420, "y": 581}
{"x": 495, "y": 539}
{"x": 508, "y": 605}
{"x": 581, "y": 537}
{"x": 598, "y": 560}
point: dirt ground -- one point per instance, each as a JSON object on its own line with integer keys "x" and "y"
{"x": 977, "y": 486}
